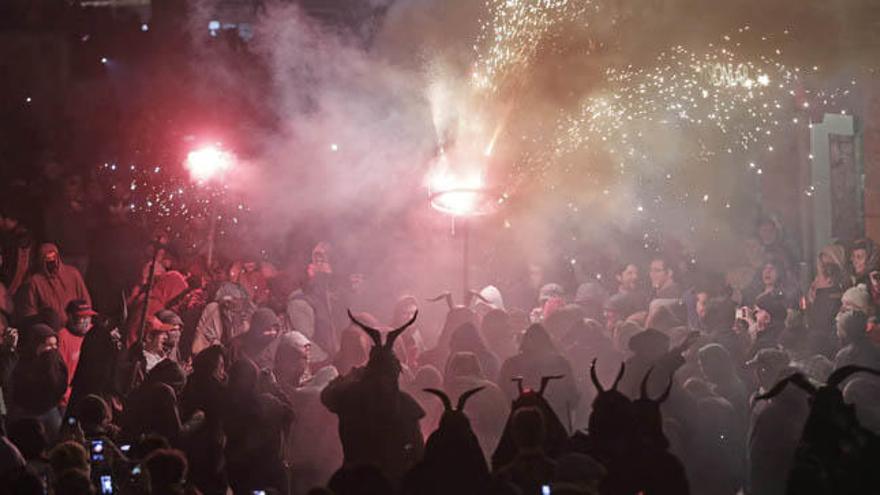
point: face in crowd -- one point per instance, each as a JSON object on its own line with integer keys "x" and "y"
{"x": 628, "y": 279}
{"x": 660, "y": 274}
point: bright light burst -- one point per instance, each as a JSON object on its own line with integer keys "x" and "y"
{"x": 208, "y": 162}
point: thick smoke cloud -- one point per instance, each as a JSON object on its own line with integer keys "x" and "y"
{"x": 360, "y": 113}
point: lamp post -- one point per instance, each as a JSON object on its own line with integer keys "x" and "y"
{"x": 462, "y": 202}
{"x": 206, "y": 164}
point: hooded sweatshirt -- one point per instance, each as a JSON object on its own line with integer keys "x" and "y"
{"x": 53, "y": 289}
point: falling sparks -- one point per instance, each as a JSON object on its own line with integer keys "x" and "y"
{"x": 512, "y": 35}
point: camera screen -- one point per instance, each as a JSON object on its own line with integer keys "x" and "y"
{"x": 97, "y": 450}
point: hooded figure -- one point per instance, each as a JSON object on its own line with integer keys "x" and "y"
{"x": 98, "y": 363}
{"x": 611, "y": 436}
{"x": 455, "y": 318}
{"x": 488, "y": 408}
{"x": 466, "y": 338}
{"x": 53, "y": 285}
{"x": 206, "y": 391}
{"x": 223, "y": 319}
{"x": 167, "y": 286}
{"x": 453, "y": 461}
{"x": 39, "y": 379}
{"x": 531, "y": 468}
{"x": 152, "y": 407}
{"x": 537, "y": 358}
{"x": 378, "y": 423}
{"x": 257, "y": 417}
{"x": 554, "y": 436}
{"x": 260, "y": 343}
{"x": 773, "y": 438}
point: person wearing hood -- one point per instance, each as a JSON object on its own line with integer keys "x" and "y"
{"x": 488, "y": 409}
{"x": 206, "y": 391}
{"x": 152, "y": 408}
{"x": 167, "y": 286}
{"x": 53, "y": 285}
{"x": 97, "y": 364}
{"x": 70, "y": 338}
{"x": 537, "y": 358}
{"x": 467, "y": 338}
{"x": 720, "y": 372}
{"x": 531, "y": 468}
{"x": 224, "y": 318}
{"x": 498, "y": 331}
{"x": 774, "y": 437}
{"x": 256, "y": 421}
{"x": 39, "y": 380}
{"x": 260, "y": 342}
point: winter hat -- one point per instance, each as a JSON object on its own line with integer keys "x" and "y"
{"x": 491, "y": 294}
{"x": 858, "y": 298}
{"x": 262, "y": 319}
{"x": 79, "y": 307}
{"x": 773, "y": 304}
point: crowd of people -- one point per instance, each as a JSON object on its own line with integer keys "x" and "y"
{"x": 129, "y": 368}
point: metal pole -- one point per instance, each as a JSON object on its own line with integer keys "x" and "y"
{"x": 148, "y": 291}
{"x": 465, "y": 268}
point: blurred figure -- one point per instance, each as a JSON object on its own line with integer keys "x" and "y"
{"x": 499, "y": 333}
{"x": 857, "y": 349}
{"x": 538, "y": 357}
{"x": 70, "y": 338}
{"x": 487, "y": 410}
{"x": 224, "y": 319}
{"x": 663, "y": 283}
{"x": 531, "y": 468}
{"x": 468, "y": 339}
{"x": 39, "y": 380}
{"x": 863, "y": 257}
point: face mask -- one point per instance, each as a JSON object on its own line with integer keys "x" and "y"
{"x": 52, "y": 266}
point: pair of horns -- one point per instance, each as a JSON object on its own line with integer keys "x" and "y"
{"x": 447, "y": 296}
{"x": 799, "y": 380}
{"x": 644, "y": 389}
{"x": 544, "y": 381}
{"x": 447, "y": 404}
{"x": 595, "y": 378}
{"x": 376, "y": 336}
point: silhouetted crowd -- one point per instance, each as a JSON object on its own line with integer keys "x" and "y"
{"x": 127, "y": 367}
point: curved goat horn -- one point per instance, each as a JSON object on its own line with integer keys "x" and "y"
{"x": 463, "y": 398}
{"x": 545, "y": 380}
{"x": 796, "y": 378}
{"x": 374, "y": 334}
{"x": 447, "y": 296}
{"x": 619, "y": 376}
{"x": 596, "y": 382}
{"x": 643, "y": 388}
{"x": 842, "y": 373}
{"x": 519, "y": 384}
{"x": 392, "y": 335}
{"x": 447, "y": 404}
